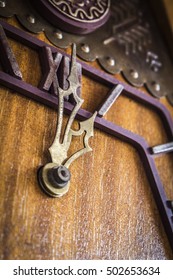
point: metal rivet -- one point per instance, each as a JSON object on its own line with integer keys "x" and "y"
{"x": 85, "y": 48}
{"x": 31, "y": 19}
{"x": 58, "y": 34}
{"x": 156, "y": 86}
{"x": 2, "y": 4}
{"x": 110, "y": 61}
{"x": 134, "y": 74}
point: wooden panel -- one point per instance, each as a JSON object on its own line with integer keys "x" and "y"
{"x": 109, "y": 211}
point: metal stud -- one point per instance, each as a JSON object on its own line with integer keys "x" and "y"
{"x": 134, "y": 74}
{"x": 2, "y": 4}
{"x": 156, "y": 86}
{"x": 58, "y": 34}
{"x": 31, "y": 19}
{"x": 110, "y": 61}
{"x": 85, "y": 48}
{"x": 59, "y": 176}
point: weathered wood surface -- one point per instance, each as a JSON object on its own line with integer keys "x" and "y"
{"x": 109, "y": 211}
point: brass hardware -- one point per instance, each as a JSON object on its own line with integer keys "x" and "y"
{"x": 85, "y": 48}
{"x": 58, "y": 34}
{"x": 31, "y": 19}
{"x": 54, "y": 177}
{"x": 46, "y": 183}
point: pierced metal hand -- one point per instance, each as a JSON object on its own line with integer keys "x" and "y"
{"x": 55, "y": 177}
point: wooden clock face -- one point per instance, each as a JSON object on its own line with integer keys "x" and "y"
{"x": 109, "y": 211}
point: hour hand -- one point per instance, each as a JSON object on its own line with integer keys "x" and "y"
{"x": 55, "y": 177}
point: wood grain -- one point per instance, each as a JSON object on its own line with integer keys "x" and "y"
{"x": 109, "y": 211}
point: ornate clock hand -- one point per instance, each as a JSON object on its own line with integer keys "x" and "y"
{"x": 55, "y": 177}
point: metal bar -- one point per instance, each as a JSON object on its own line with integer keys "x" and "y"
{"x": 112, "y": 97}
{"x": 8, "y": 59}
{"x": 161, "y": 149}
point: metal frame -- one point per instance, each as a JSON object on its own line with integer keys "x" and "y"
{"x": 163, "y": 204}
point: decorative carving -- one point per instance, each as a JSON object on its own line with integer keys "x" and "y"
{"x": 79, "y": 17}
{"x": 153, "y": 61}
{"x": 90, "y": 10}
{"x": 128, "y": 28}
{"x": 128, "y": 43}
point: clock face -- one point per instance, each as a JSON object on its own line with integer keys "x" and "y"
{"x": 109, "y": 211}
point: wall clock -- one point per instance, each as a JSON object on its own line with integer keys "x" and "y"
{"x": 109, "y": 211}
